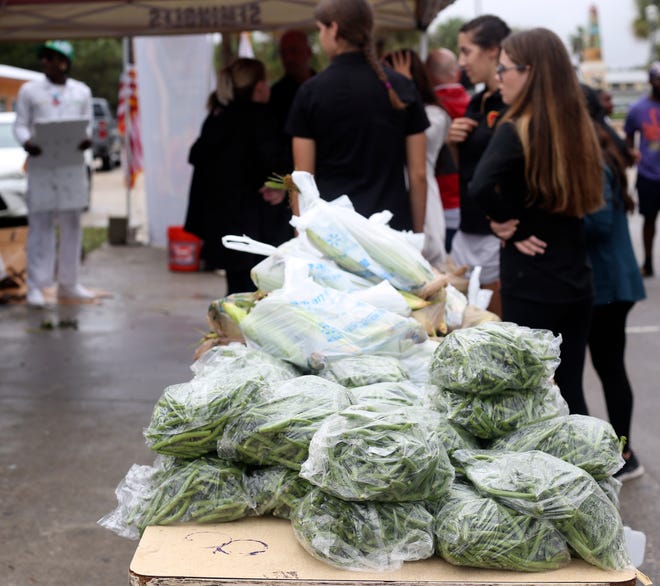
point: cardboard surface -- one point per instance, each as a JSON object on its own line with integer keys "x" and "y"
{"x": 264, "y": 549}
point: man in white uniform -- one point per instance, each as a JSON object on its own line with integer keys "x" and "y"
{"x": 57, "y": 194}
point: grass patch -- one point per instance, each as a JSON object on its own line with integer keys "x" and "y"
{"x": 93, "y": 238}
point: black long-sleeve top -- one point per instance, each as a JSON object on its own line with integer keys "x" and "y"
{"x": 563, "y": 273}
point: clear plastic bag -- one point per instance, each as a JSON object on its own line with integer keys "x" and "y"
{"x": 205, "y": 490}
{"x": 495, "y": 357}
{"x": 277, "y": 427}
{"x": 586, "y": 442}
{"x": 189, "y": 418}
{"x": 362, "y": 536}
{"x": 543, "y": 486}
{"x": 366, "y": 247}
{"x": 379, "y": 453}
{"x": 222, "y": 360}
{"x": 394, "y": 393}
{"x": 489, "y": 417}
{"x": 477, "y": 531}
{"x": 364, "y": 369}
{"x": 307, "y": 325}
{"x": 275, "y": 490}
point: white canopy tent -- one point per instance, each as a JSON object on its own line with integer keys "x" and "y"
{"x": 38, "y": 19}
{"x": 174, "y": 62}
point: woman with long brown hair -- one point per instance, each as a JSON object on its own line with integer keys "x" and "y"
{"x": 540, "y": 175}
{"x": 356, "y": 125}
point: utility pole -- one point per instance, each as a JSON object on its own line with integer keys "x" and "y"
{"x": 651, "y": 13}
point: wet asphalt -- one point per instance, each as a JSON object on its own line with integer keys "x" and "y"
{"x": 74, "y": 402}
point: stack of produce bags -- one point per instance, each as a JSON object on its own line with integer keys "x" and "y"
{"x": 476, "y": 460}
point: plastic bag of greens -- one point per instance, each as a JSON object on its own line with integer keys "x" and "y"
{"x": 276, "y": 427}
{"x": 397, "y": 394}
{"x": 362, "y": 536}
{"x": 308, "y": 325}
{"x": 417, "y": 361}
{"x": 275, "y": 490}
{"x": 611, "y": 487}
{"x": 189, "y": 418}
{"x": 364, "y": 369}
{"x": 221, "y": 322}
{"x": 492, "y": 416}
{"x": 221, "y": 360}
{"x": 378, "y": 453}
{"x": 204, "y": 490}
{"x": 495, "y": 357}
{"x": 545, "y": 487}
{"x": 474, "y": 530}
{"x": 454, "y": 437}
{"x": 587, "y": 442}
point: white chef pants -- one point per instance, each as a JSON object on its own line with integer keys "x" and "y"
{"x": 41, "y": 245}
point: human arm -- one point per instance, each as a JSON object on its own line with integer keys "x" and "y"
{"x": 304, "y": 159}
{"x": 598, "y": 225}
{"x": 87, "y": 115}
{"x": 498, "y": 184}
{"x": 416, "y": 165}
{"x": 22, "y": 130}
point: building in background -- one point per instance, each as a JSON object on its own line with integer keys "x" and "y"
{"x": 11, "y": 79}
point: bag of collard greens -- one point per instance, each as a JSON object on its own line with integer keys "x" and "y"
{"x": 586, "y": 442}
{"x": 543, "y": 486}
{"x": 189, "y": 418}
{"x": 495, "y": 357}
{"x": 363, "y": 369}
{"x": 205, "y": 490}
{"x": 379, "y": 453}
{"x": 474, "y": 530}
{"x": 275, "y": 490}
{"x": 492, "y": 416}
{"x": 362, "y": 536}
{"x": 397, "y": 394}
{"x": 277, "y": 426}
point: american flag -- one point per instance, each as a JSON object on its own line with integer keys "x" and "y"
{"x": 128, "y": 102}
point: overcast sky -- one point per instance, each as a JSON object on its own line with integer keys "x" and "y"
{"x": 620, "y": 48}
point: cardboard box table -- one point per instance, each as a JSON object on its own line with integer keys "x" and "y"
{"x": 263, "y": 551}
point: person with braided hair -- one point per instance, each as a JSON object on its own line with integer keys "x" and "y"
{"x": 357, "y": 126}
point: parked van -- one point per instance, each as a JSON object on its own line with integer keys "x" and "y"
{"x": 106, "y": 140}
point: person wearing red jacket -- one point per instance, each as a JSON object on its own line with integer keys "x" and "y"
{"x": 444, "y": 74}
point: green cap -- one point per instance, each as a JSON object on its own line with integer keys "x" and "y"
{"x": 64, "y": 48}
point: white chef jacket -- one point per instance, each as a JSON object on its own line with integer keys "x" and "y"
{"x": 65, "y": 187}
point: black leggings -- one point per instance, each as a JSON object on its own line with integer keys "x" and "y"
{"x": 571, "y": 320}
{"x": 607, "y": 345}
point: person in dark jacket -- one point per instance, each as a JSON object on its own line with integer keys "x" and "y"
{"x": 239, "y": 147}
{"x": 617, "y": 286}
{"x": 538, "y": 178}
{"x": 475, "y": 244}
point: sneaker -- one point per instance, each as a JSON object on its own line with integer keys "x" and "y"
{"x": 631, "y": 469}
{"x": 35, "y": 298}
{"x": 74, "y": 292}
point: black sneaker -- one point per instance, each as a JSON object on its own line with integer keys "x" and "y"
{"x": 631, "y": 469}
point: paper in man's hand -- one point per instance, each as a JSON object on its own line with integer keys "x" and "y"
{"x": 59, "y": 142}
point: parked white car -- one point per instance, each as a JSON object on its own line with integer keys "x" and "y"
{"x": 13, "y": 177}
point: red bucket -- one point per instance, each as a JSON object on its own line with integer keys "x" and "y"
{"x": 183, "y": 249}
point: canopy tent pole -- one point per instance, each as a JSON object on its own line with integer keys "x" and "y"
{"x": 128, "y": 60}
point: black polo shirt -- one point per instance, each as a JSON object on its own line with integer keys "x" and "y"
{"x": 486, "y": 111}
{"x": 360, "y": 138}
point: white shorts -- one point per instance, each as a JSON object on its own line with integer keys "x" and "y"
{"x": 478, "y": 250}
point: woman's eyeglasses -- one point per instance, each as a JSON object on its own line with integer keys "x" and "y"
{"x": 501, "y": 69}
